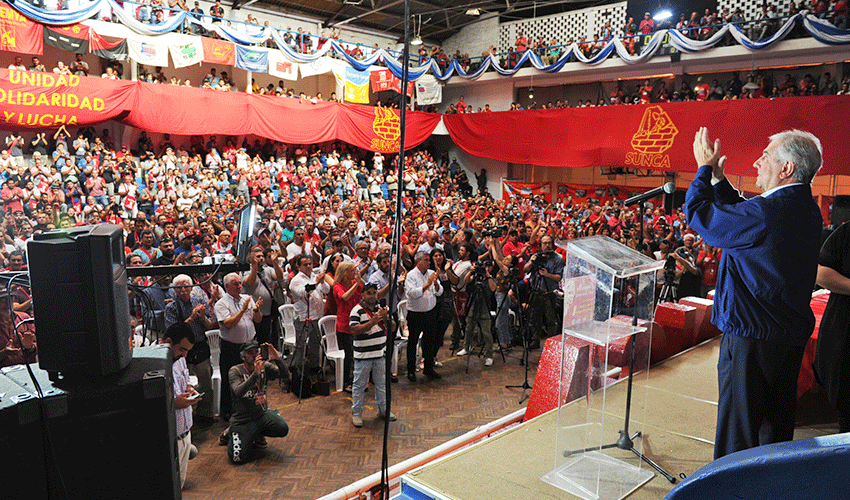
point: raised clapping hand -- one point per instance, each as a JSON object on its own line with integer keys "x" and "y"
{"x": 708, "y": 153}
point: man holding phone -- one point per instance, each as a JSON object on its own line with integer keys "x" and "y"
{"x": 252, "y": 420}
{"x": 180, "y": 336}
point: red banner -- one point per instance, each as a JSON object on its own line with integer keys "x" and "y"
{"x": 384, "y": 79}
{"x": 527, "y": 190}
{"x": 19, "y": 34}
{"x": 599, "y": 193}
{"x": 30, "y": 100}
{"x": 218, "y": 51}
{"x": 657, "y": 136}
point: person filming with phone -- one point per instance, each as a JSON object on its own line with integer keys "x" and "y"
{"x": 252, "y": 421}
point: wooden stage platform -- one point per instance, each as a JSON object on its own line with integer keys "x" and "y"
{"x": 324, "y": 452}
{"x": 678, "y": 434}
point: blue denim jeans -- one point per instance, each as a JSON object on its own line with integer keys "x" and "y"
{"x": 362, "y": 369}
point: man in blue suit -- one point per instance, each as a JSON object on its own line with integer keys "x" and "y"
{"x": 770, "y": 254}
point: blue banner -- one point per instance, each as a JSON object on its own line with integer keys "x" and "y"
{"x": 252, "y": 60}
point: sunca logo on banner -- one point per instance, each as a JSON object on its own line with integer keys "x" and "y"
{"x": 654, "y": 136}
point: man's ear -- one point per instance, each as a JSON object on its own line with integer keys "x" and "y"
{"x": 787, "y": 170}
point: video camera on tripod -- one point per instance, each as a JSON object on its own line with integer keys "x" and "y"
{"x": 479, "y": 271}
{"x": 538, "y": 262}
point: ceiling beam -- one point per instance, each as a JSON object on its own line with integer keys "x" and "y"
{"x": 377, "y": 9}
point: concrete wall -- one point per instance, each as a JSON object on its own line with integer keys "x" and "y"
{"x": 474, "y": 38}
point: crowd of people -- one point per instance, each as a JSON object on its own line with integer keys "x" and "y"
{"x": 757, "y": 86}
{"x": 326, "y": 219}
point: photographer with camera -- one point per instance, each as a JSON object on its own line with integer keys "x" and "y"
{"x": 308, "y": 291}
{"x": 507, "y": 275}
{"x": 545, "y": 269}
{"x": 481, "y": 286}
{"x": 688, "y": 273}
{"x": 457, "y": 276}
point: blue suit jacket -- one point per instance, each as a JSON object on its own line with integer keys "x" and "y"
{"x": 770, "y": 257}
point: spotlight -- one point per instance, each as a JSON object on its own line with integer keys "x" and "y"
{"x": 662, "y": 15}
{"x": 473, "y": 12}
{"x": 530, "y": 92}
{"x": 416, "y": 41}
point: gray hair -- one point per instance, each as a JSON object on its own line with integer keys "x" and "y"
{"x": 419, "y": 255}
{"x": 230, "y": 277}
{"x": 181, "y": 280}
{"x": 802, "y": 149}
{"x": 361, "y": 244}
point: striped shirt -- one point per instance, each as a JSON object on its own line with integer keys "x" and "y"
{"x": 180, "y": 372}
{"x": 371, "y": 344}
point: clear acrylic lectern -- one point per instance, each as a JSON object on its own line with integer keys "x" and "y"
{"x": 609, "y": 291}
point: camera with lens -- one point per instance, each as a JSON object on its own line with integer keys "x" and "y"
{"x": 539, "y": 262}
{"x": 479, "y": 270}
{"x": 309, "y": 287}
{"x": 495, "y": 232}
{"x": 684, "y": 253}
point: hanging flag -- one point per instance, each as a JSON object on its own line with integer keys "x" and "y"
{"x": 282, "y": 67}
{"x": 252, "y": 60}
{"x": 526, "y": 189}
{"x": 114, "y": 49}
{"x": 19, "y": 34}
{"x": 428, "y": 90}
{"x": 73, "y": 38}
{"x": 218, "y": 51}
{"x": 318, "y": 67}
{"x": 187, "y": 54}
{"x": 356, "y": 86}
{"x": 151, "y": 54}
{"x": 383, "y": 79}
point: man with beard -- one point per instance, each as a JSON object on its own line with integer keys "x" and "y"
{"x": 166, "y": 258}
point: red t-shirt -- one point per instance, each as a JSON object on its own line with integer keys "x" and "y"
{"x": 344, "y": 307}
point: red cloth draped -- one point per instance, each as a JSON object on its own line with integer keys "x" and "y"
{"x": 653, "y": 136}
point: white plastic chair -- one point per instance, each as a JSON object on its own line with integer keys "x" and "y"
{"x": 330, "y": 348}
{"x": 214, "y": 340}
{"x": 401, "y": 340}
{"x": 287, "y": 324}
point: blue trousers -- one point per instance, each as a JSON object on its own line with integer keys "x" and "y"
{"x": 758, "y": 393}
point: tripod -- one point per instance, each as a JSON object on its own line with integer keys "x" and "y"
{"x": 668, "y": 289}
{"x": 524, "y": 333}
{"x": 477, "y": 297}
{"x": 626, "y": 442}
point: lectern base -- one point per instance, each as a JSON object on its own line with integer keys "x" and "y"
{"x": 596, "y": 476}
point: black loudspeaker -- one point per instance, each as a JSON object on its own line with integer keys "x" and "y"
{"x": 79, "y": 296}
{"x": 840, "y": 212}
{"x": 117, "y": 438}
{"x": 23, "y": 471}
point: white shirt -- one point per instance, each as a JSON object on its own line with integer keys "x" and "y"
{"x": 227, "y": 307}
{"x": 777, "y": 188}
{"x": 460, "y": 269}
{"x": 180, "y": 374}
{"x": 294, "y": 249}
{"x": 417, "y": 299}
{"x": 299, "y": 296}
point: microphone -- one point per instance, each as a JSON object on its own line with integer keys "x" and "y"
{"x": 640, "y": 198}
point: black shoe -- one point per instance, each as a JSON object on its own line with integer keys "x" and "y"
{"x": 411, "y": 377}
{"x": 432, "y": 375}
{"x": 454, "y": 347}
{"x": 395, "y": 379}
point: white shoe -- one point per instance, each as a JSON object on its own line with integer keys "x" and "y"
{"x": 461, "y": 352}
{"x": 438, "y": 364}
{"x": 488, "y": 362}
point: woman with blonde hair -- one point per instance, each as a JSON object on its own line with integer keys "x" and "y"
{"x": 346, "y": 291}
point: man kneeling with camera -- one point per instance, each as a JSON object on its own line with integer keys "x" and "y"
{"x": 252, "y": 420}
